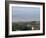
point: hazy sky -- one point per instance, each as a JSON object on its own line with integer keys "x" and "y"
{"x": 25, "y": 14}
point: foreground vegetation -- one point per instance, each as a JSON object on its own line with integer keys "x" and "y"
{"x": 22, "y": 26}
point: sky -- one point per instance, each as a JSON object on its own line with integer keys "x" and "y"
{"x": 25, "y": 14}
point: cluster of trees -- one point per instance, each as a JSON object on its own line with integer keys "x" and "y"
{"x": 23, "y": 26}
{"x": 16, "y": 27}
